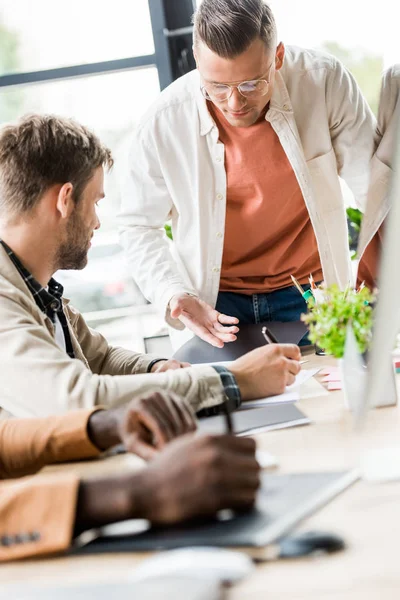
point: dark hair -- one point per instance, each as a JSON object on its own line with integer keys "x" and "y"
{"x": 228, "y": 27}
{"x": 43, "y": 150}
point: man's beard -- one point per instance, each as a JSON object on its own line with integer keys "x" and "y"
{"x": 73, "y": 250}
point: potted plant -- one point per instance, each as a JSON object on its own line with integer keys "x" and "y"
{"x": 332, "y": 312}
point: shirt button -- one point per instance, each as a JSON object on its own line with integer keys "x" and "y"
{"x": 219, "y": 234}
{"x": 215, "y": 269}
{"x": 218, "y": 159}
{"x": 22, "y": 538}
{"x": 7, "y": 540}
{"x": 285, "y": 107}
{"x": 220, "y": 197}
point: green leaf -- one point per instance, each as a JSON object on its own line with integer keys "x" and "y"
{"x": 328, "y": 320}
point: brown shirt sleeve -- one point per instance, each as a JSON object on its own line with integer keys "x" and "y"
{"x": 27, "y": 445}
{"x": 37, "y": 515}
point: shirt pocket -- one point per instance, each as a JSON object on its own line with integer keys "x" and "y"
{"x": 325, "y": 183}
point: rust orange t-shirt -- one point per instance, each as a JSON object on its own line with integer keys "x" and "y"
{"x": 268, "y": 233}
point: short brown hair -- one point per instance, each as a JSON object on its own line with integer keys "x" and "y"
{"x": 43, "y": 150}
{"x": 228, "y": 27}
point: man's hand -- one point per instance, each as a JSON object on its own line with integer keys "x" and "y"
{"x": 192, "y": 477}
{"x": 152, "y": 422}
{"x": 144, "y": 425}
{"x": 167, "y": 365}
{"x": 266, "y": 371}
{"x": 206, "y": 322}
{"x": 198, "y": 476}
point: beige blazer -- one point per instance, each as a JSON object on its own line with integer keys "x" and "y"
{"x": 37, "y": 514}
{"x": 37, "y": 377}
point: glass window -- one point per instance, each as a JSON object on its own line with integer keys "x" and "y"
{"x": 46, "y": 34}
{"x": 348, "y": 30}
{"x": 111, "y": 105}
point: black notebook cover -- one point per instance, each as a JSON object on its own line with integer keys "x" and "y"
{"x": 283, "y": 501}
{"x": 249, "y": 337}
{"x": 256, "y": 420}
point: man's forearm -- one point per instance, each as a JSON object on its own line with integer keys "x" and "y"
{"x": 200, "y": 386}
{"x": 99, "y": 503}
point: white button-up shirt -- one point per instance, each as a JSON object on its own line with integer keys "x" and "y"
{"x": 382, "y": 161}
{"x": 176, "y": 171}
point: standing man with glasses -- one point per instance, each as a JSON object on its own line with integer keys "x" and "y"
{"x": 244, "y": 156}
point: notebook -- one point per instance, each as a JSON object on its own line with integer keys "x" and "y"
{"x": 256, "y": 420}
{"x": 282, "y": 502}
{"x": 161, "y": 588}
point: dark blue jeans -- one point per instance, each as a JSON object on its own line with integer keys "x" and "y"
{"x": 281, "y": 305}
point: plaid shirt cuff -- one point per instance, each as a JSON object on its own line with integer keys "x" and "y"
{"x": 232, "y": 393}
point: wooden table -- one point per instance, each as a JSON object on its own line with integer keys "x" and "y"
{"x": 366, "y": 515}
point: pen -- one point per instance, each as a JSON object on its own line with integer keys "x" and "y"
{"x": 228, "y": 418}
{"x": 362, "y": 286}
{"x": 297, "y": 285}
{"x": 269, "y": 336}
{"x": 306, "y": 294}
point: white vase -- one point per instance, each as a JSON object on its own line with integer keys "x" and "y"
{"x": 343, "y": 380}
{"x": 353, "y": 375}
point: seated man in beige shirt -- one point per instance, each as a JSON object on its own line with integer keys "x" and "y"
{"x": 51, "y": 180}
{"x": 41, "y": 514}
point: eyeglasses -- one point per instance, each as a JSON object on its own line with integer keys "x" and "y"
{"x": 249, "y": 89}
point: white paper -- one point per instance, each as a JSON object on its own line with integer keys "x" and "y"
{"x": 265, "y": 459}
{"x": 302, "y": 377}
{"x": 313, "y": 389}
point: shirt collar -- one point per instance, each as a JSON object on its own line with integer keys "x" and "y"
{"x": 206, "y": 120}
{"x": 50, "y": 299}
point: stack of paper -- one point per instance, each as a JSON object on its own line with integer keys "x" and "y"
{"x": 331, "y": 376}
